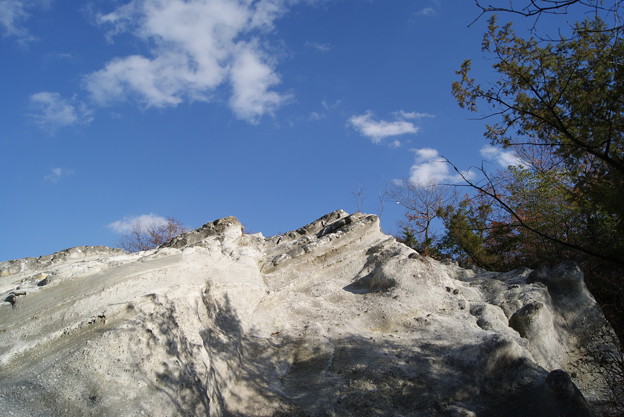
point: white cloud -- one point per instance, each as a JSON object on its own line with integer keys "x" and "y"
{"x": 14, "y": 13}
{"x": 54, "y": 112}
{"x": 377, "y": 130}
{"x": 251, "y": 81}
{"x": 414, "y": 115}
{"x": 321, "y": 47}
{"x": 266, "y": 12}
{"x": 426, "y": 11}
{"x": 331, "y": 106}
{"x": 143, "y": 221}
{"x": 56, "y": 174}
{"x": 196, "y": 46}
{"x": 315, "y": 116}
{"x": 327, "y": 108}
{"x": 504, "y": 158}
{"x": 430, "y": 167}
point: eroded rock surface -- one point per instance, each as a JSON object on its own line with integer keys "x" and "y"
{"x": 333, "y": 319}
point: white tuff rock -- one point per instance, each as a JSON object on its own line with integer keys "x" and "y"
{"x": 333, "y": 319}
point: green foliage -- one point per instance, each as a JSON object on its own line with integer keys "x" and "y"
{"x": 427, "y": 247}
{"x": 408, "y": 237}
{"x": 466, "y": 233}
{"x": 559, "y": 105}
{"x": 483, "y": 232}
{"x": 543, "y": 201}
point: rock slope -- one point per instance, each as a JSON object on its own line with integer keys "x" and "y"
{"x": 333, "y": 319}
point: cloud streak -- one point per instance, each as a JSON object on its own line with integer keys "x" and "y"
{"x": 320, "y": 47}
{"x": 194, "y": 48}
{"x": 57, "y": 174}
{"x": 53, "y": 112}
{"x": 13, "y": 15}
{"x": 378, "y": 130}
{"x": 414, "y": 115}
{"x": 143, "y": 221}
{"x": 426, "y": 11}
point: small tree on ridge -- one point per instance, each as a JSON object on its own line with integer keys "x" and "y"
{"x": 149, "y": 236}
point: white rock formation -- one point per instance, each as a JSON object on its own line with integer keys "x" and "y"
{"x": 333, "y": 319}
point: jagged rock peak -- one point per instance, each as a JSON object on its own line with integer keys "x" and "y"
{"x": 226, "y": 226}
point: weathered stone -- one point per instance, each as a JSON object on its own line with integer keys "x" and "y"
{"x": 333, "y": 319}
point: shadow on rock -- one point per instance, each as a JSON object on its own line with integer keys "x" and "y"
{"x": 314, "y": 375}
{"x": 224, "y": 369}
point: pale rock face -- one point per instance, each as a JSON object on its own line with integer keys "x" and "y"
{"x": 333, "y": 319}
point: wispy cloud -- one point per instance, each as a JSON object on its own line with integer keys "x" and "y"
{"x": 14, "y": 13}
{"x": 51, "y": 111}
{"x": 143, "y": 221}
{"x": 431, "y": 10}
{"x": 321, "y": 47}
{"x": 57, "y": 174}
{"x": 327, "y": 108}
{"x": 504, "y": 158}
{"x": 331, "y": 106}
{"x": 378, "y": 130}
{"x": 426, "y": 11}
{"x": 429, "y": 167}
{"x": 414, "y": 115}
{"x": 314, "y": 116}
{"x": 195, "y": 47}
{"x": 54, "y": 57}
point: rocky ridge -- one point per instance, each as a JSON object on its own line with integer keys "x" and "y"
{"x": 333, "y": 319}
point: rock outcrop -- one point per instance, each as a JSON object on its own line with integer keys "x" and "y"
{"x": 333, "y": 319}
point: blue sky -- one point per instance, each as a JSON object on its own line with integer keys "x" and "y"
{"x": 273, "y": 111}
